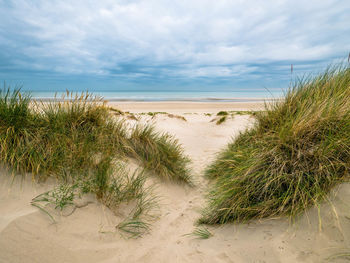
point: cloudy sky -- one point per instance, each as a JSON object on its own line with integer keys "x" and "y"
{"x": 168, "y": 45}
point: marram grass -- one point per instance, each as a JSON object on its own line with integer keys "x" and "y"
{"x": 298, "y": 150}
{"x": 69, "y": 139}
{"x": 81, "y": 143}
{"x": 200, "y": 233}
{"x": 160, "y": 153}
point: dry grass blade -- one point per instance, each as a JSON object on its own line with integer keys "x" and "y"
{"x": 134, "y": 228}
{"x": 43, "y": 210}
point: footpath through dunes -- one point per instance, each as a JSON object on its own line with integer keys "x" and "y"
{"x": 89, "y": 235}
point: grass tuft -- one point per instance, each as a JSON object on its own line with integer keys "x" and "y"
{"x": 160, "y": 153}
{"x": 201, "y": 233}
{"x": 221, "y": 120}
{"x": 298, "y": 150}
{"x": 134, "y": 228}
{"x": 222, "y": 113}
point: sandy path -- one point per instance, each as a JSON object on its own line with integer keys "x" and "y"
{"x": 88, "y": 235}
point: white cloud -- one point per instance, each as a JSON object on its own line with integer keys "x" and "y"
{"x": 209, "y": 71}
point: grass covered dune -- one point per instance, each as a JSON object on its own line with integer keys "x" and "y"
{"x": 79, "y": 142}
{"x": 298, "y": 150}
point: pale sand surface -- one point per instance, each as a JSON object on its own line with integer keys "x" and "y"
{"x": 186, "y": 107}
{"x": 88, "y": 235}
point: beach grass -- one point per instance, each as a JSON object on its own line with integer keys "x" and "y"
{"x": 297, "y": 151}
{"x": 160, "y": 153}
{"x": 222, "y": 113}
{"x": 201, "y": 233}
{"x": 80, "y": 142}
{"x": 221, "y": 120}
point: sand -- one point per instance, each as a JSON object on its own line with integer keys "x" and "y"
{"x": 88, "y": 235}
{"x": 182, "y": 107}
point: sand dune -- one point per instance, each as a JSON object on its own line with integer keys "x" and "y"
{"x": 89, "y": 235}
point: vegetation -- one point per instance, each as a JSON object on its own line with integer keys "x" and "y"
{"x": 159, "y": 153}
{"x": 222, "y": 113}
{"x": 116, "y": 111}
{"x": 345, "y": 256}
{"x": 251, "y": 113}
{"x": 154, "y": 113}
{"x": 79, "y": 142}
{"x": 222, "y": 116}
{"x": 298, "y": 150}
{"x": 177, "y": 117}
{"x": 201, "y": 233}
{"x": 221, "y": 120}
{"x": 233, "y": 113}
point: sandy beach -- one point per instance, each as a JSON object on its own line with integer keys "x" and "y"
{"x": 89, "y": 234}
{"x": 182, "y": 107}
{"x": 174, "y": 131}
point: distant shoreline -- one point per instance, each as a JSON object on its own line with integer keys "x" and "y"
{"x": 209, "y": 100}
{"x": 167, "y": 96}
{"x": 180, "y": 106}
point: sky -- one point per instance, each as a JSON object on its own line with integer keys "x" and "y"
{"x": 183, "y": 45}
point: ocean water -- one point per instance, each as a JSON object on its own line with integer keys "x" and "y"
{"x": 226, "y": 96}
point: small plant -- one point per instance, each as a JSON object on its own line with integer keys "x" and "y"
{"x": 221, "y": 120}
{"x": 222, "y": 113}
{"x": 116, "y": 111}
{"x": 60, "y": 197}
{"x": 201, "y": 233}
{"x": 177, "y": 117}
{"x": 134, "y": 228}
{"x": 154, "y": 113}
{"x": 251, "y": 113}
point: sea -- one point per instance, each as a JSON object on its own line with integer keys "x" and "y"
{"x": 199, "y": 96}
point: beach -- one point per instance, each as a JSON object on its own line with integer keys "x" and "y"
{"x": 89, "y": 235}
{"x": 174, "y": 131}
{"x": 182, "y": 107}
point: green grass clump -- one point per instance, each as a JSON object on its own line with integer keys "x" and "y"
{"x": 251, "y": 113}
{"x": 201, "y": 233}
{"x": 78, "y": 137}
{"x": 177, "y": 117}
{"x": 58, "y": 139}
{"x": 159, "y": 153}
{"x": 60, "y": 197}
{"x": 298, "y": 150}
{"x": 153, "y": 113}
{"x": 116, "y": 111}
{"x": 222, "y": 113}
{"x": 221, "y": 120}
{"x": 134, "y": 228}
